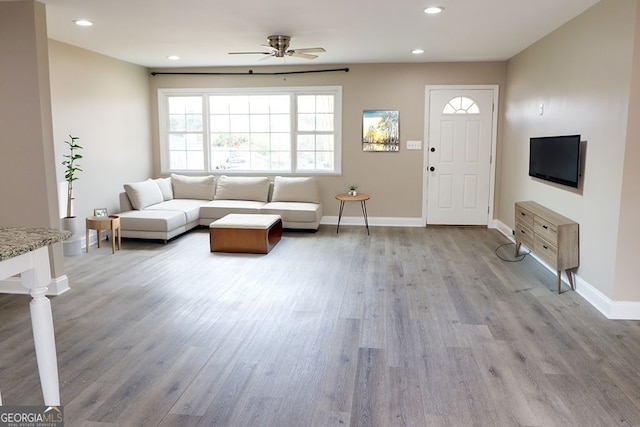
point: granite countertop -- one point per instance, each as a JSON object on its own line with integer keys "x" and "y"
{"x": 15, "y": 241}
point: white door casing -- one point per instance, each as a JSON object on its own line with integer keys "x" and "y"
{"x": 458, "y": 169}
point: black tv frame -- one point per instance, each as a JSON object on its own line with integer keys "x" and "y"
{"x": 545, "y": 151}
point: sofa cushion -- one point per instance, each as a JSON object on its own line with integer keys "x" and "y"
{"x": 164, "y": 184}
{"x": 294, "y": 211}
{"x": 295, "y": 189}
{"x": 193, "y": 187}
{"x": 152, "y": 220}
{"x": 190, "y": 207}
{"x": 242, "y": 188}
{"x": 219, "y": 208}
{"x": 143, "y": 194}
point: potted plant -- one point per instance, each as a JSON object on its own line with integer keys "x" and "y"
{"x": 352, "y": 190}
{"x": 70, "y": 175}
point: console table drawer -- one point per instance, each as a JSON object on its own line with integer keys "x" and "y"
{"x": 524, "y": 234}
{"x": 524, "y": 216}
{"x": 545, "y": 229}
{"x": 547, "y": 251}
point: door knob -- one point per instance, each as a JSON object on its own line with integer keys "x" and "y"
{"x": 432, "y": 168}
{"x": 433, "y": 149}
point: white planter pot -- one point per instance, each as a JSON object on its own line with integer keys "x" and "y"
{"x": 70, "y": 224}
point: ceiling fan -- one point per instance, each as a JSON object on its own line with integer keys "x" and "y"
{"x": 279, "y": 46}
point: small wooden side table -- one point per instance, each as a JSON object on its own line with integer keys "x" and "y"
{"x": 99, "y": 223}
{"x": 360, "y": 197}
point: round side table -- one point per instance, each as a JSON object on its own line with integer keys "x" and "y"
{"x": 360, "y": 197}
{"x": 99, "y": 223}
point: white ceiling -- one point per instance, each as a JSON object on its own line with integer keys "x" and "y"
{"x": 202, "y": 32}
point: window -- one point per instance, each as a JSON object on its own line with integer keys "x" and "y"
{"x": 461, "y": 105}
{"x": 279, "y": 130}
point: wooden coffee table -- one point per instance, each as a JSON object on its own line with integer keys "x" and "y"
{"x": 245, "y": 233}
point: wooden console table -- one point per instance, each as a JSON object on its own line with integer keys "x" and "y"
{"x": 24, "y": 251}
{"x": 549, "y": 235}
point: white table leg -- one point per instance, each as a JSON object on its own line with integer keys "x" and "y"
{"x": 36, "y": 279}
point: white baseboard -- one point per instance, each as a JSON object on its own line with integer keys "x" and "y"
{"x": 13, "y": 285}
{"x": 374, "y": 221}
{"x": 502, "y": 227}
{"x": 77, "y": 244}
{"x": 390, "y": 221}
{"x": 615, "y": 310}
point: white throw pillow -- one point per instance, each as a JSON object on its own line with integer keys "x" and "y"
{"x": 193, "y": 187}
{"x": 295, "y": 189}
{"x": 164, "y": 184}
{"x": 242, "y": 188}
{"x": 143, "y": 194}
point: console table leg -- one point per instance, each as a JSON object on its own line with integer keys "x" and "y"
{"x": 559, "y": 281}
{"x": 570, "y": 277}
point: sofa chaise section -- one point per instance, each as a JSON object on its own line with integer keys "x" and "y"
{"x": 165, "y": 211}
{"x": 297, "y": 201}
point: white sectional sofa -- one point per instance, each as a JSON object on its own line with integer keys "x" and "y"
{"x": 167, "y": 207}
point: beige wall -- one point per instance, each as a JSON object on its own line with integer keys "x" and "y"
{"x": 27, "y": 171}
{"x": 627, "y": 269}
{"x": 104, "y": 102}
{"x": 394, "y": 180}
{"x": 582, "y": 74}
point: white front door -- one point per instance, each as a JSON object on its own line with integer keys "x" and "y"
{"x": 460, "y": 134}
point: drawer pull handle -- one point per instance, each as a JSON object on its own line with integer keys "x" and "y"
{"x": 545, "y": 247}
{"x": 545, "y": 227}
{"x": 523, "y": 214}
{"x": 522, "y": 231}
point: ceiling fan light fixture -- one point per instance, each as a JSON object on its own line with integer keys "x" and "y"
{"x": 417, "y": 51}
{"x": 173, "y": 57}
{"x": 433, "y": 10}
{"x": 279, "y": 48}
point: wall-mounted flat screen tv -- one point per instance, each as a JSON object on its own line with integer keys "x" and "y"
{"x": 555, "y": 159}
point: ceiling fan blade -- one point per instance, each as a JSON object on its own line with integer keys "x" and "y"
{"x": 310, "y": 50}
{"x": 301, "y": 55}
{"x": 269, "y": 56}
{"x": 249, "y": 53}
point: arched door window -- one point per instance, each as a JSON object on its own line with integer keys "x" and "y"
{"x": 461, "y": 105}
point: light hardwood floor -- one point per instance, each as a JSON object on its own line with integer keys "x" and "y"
{"x": 406, "y": 327}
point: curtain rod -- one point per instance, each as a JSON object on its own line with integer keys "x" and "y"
{"x": 248, "y": 73}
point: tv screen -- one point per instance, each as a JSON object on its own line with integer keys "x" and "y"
{"x": 555, "y": 159}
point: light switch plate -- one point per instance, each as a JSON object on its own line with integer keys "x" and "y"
{"x": 414, "y": 145}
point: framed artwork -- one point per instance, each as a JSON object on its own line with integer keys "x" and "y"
{"x": 100, "y": 212}
{"x": 380, "y": 130}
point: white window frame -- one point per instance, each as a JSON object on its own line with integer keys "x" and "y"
{"x": 163, "y": 126}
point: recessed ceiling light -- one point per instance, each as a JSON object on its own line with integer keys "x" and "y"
{"x": 417, "y": 51}
{"x": 433, "y": 10}
{"x": 83, "y": 23}
{"x": 173, "y": 57}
